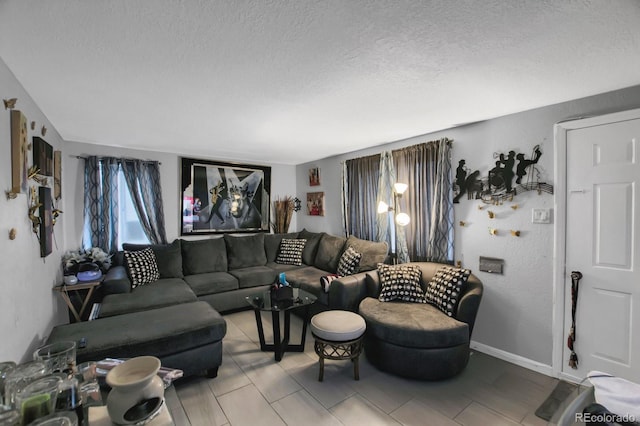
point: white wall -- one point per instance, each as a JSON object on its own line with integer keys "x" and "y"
{"x": 282, "y": 184}
{"x": 516, "y": 311}
{"x": 28, "y": 306}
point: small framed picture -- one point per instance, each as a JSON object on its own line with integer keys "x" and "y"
{"x": 314, "y": 176}
{"x": 315, "y": 203}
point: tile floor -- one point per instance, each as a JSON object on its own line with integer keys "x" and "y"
{"x": 252, "y": 389}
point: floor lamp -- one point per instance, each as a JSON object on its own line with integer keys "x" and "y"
{"x": 401, "y": 219}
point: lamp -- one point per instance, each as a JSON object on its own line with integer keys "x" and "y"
{"x": 401, "y": 219}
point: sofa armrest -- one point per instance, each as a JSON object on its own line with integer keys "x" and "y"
{"x": 346, "y": 293}
{"x": 470, "y": 302}
{"x": 116, "y": 281}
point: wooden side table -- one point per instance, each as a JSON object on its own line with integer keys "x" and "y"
{"x": 64, "y": 290}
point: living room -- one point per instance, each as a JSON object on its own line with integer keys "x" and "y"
{"x": 516, "y": 319}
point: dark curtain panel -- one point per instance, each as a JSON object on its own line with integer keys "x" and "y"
{"x": 143, "y": 181}
{"x": 426, "y": 168}
{"x": 101, "y": 203}
{"x": 360, "y": 189}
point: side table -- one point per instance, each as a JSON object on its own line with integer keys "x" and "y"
{"x": 64, "y": 290}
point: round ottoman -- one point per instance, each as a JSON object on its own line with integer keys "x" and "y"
{"x": 338, "y": 335}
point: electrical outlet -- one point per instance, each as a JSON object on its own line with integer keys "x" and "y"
{"x": 541, "y": 216}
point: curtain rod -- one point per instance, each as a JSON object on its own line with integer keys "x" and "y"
{"x": 80, "y": 157}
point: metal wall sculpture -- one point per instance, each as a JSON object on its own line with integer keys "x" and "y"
{"x": 511, "y": 174}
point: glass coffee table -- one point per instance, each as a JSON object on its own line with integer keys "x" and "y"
{"x": 263, "y": 302}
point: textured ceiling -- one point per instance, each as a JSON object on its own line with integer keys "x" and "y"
{"x": 294, "y": 81}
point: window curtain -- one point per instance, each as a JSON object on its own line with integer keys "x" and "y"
{"x": 360, "y": 188}
{"x": 426, "y": 168}
{"x": 143, "y": 181}
{"x": 101, "y": 203}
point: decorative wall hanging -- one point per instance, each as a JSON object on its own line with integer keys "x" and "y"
{"x": 46, "y": 221}
{"x": 503, "y": 181}
{"x": 314, "y": 176}
{"x": 315, "y": 203}
{"x": 57, "y": 175}
{"x": 19, "y": 151}
{"x": 223, "y": 197}
{"x": 10, "y": 103}
{"x": 42, "y": 156}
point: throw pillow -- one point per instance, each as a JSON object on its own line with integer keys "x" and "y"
{"x": 349, "y": 262}
{"x": 291, "y": 251}
{"x": 326, "y": 281}
{"x": 443, "y": 291}
{"x": 143, "y": 267}
{"x": 400, "y": 282}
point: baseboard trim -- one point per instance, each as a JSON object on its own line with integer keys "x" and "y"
{"x": 513, "y": 358}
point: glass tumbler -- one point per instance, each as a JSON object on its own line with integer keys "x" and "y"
{"x": 38, "y": 398}
{"x": 59, "y": 356}
{"x": 5, "y": 368}
{"x": 21, "y": 376}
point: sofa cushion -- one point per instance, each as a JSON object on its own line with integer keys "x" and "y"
{"x": 413, "y": 325}
{"x": 290, "y": 252}
{"x": 142, "y": 267}
{"x": 311, "y": 248}
{"x": 373, "y": 252}
{"x": 272, "y": 244}
{"x": 400, "y": 282}
{"x": 202, "y": 256}
{"x": 444, "y": 289}
{"x": 329, "y": 252}
{"x": 160, "y": 332}
{"x": 349, "y": 262}
{"x": 168, "y": 256}
{"x": 211, "y": 283}
{"x": 164, "y": 292}
{"x": 308, "y": 278}
{"x": 245, "y": 251}
{"x": 254, "y": 276}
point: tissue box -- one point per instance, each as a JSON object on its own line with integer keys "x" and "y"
{"x": 282, "y": 293}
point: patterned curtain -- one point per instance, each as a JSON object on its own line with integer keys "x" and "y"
{"x": 426, "y": 168}
{"x": 143, "y": 181}
{"x": 101, "y": 204}
{"x": 360, "y": 189}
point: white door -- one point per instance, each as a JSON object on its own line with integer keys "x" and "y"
{"x": 602, "y": 216}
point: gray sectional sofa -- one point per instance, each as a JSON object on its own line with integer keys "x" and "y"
{"x": 224, "y": 270}
{"x": 177, "y": 318}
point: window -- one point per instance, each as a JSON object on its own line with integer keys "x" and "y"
{"x": 129, "y": 228}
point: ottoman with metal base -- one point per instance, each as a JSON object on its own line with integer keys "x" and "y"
{"x": 338, "y": 336}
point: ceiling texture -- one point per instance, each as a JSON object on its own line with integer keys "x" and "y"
{"x": 292, "y": 81}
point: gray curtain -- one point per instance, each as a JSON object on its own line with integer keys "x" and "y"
{"x": 143, "y": 181}
{"x": 360, "y": 188}
{"x": 426, "y": 168}
{"x": 101, "y": 203}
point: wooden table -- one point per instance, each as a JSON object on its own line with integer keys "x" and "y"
{"x": 64, "y": 289}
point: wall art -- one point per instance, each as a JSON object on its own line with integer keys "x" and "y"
{"x": 42, "y": 156}
{"x": 46, "y": 221}
{"x": 19, "y": 151}
{"x": 315, "y": 203}
{"x": 314, "y": 176}
{"x": 221, "y": 197}
{"x": 57, "y": 175}
{"x": 511, "y": 174}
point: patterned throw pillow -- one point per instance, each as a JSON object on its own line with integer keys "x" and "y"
{"x": 349, "y": 262}
{"x": 290, "y": 252}
{"x": 400, "y": 282}
{"x": 143, "y": 267}
{"x": 326, "y": 281}
{"x": 443, "y": 291}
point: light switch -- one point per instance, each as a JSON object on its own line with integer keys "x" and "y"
{"x": 541, "y": 216}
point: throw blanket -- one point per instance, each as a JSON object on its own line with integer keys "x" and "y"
{"x": 618, "y": 395}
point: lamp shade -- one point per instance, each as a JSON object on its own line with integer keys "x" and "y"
{"x": 383, "y": 207}
{"x": 403, "y": 219}
{"x": 400, "y": 187}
